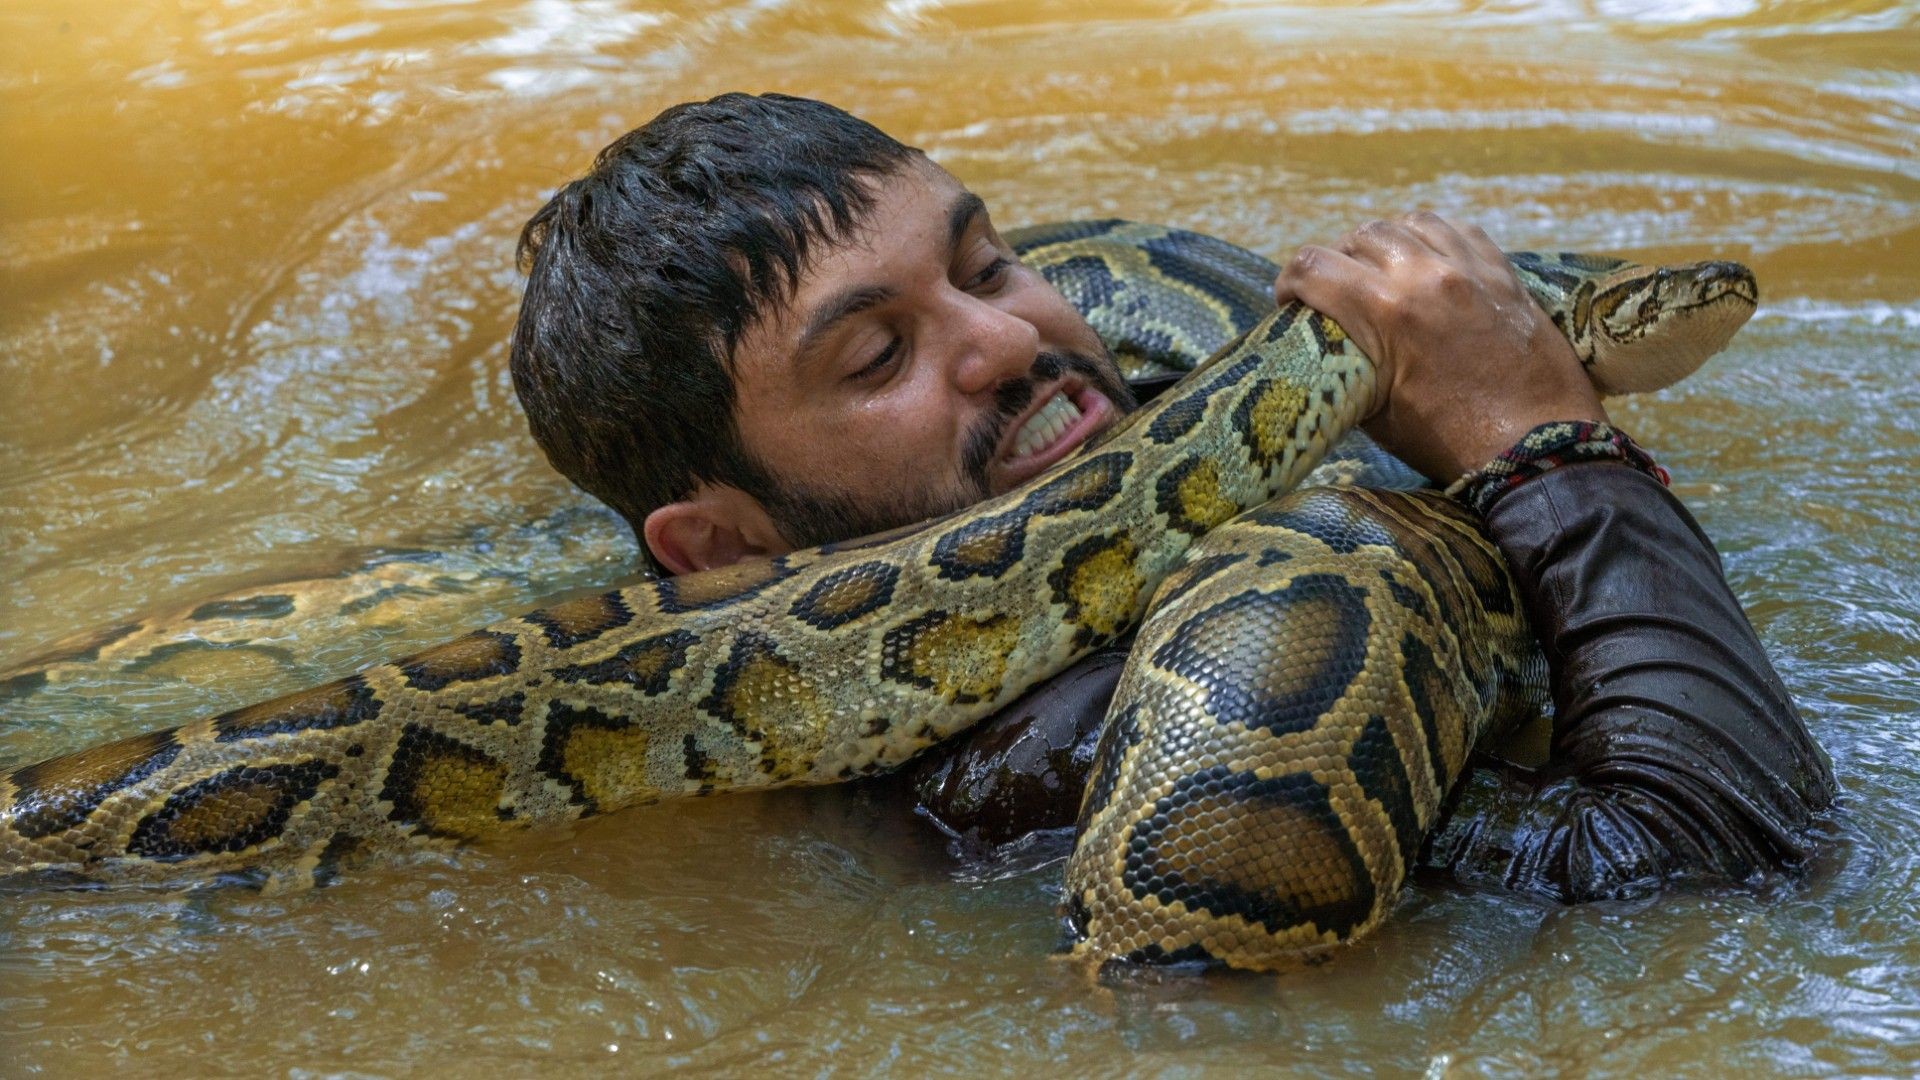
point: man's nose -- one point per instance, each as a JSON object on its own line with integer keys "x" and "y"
{"x": 992, "y": 345}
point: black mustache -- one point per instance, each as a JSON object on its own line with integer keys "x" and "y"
{"x": 1012, "y": 397}
{"x": 808, "y": 517}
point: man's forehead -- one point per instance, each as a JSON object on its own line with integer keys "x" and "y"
{"x": 917, "y": 198}
{"x": 917, "y": 206}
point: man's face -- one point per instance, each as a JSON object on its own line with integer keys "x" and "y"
{"x": 919, "y": 369}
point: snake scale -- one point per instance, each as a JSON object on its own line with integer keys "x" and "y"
{"x": 1309, "y": 676}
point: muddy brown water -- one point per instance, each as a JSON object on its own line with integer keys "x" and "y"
{"x": 255, "y": 289}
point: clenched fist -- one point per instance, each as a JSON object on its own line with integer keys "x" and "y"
{"x": 1468, "y": 362}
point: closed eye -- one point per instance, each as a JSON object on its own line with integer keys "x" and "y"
{"x": 991, "y": 273}
{"x": 880, "y": 362}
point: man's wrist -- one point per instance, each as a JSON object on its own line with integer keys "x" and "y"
{"x": 1546, "y": 447}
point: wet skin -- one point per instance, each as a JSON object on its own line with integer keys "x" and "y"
{"x": 902, "y": 375}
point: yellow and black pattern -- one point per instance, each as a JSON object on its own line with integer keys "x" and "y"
{"x": 1163, "y": 299}
{"x": 244, "y": 634}
{"x": 827, "y": 664}
{"x": 1300, "y": 699}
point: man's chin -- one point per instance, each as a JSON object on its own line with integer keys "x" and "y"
{"x": 807, "y": 518}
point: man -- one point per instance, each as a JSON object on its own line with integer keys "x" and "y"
{"x": 760, "y": 324}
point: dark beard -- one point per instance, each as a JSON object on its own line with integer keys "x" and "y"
{"x": 808, "y": 518}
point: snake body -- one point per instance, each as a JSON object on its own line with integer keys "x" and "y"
{"x": 828, "y": 664}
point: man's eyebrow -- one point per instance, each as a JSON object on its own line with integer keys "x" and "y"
{"x": 961, "y": 217}
{"x": 846, "y": 305}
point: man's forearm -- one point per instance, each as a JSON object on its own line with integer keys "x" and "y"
{"x": 1677, "y": 753}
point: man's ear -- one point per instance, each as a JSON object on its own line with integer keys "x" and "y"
{"x": 715, "y": 527}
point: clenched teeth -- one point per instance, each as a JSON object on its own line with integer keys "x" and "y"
{"x": 1046, "y": 425}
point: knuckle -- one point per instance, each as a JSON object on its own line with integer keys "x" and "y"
{"x": 1363, "y": 237}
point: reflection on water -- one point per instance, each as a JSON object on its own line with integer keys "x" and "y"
{"x": 257, "y": 270}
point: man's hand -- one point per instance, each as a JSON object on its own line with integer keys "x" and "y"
{"x": 1468, "y": 362}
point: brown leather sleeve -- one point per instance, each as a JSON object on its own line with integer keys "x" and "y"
{"x": 1024, "y": 769}
{"x": 1677, "y": 752}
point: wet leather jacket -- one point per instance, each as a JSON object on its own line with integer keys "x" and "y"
{"x": 1675, "y": 751}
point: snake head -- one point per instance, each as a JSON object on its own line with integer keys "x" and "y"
{"x": 1655, "y": 325}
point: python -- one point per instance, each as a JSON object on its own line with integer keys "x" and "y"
{"x": 842, "y": 661}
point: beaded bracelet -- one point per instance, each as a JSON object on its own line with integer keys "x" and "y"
{"x": 1549, "y": 446}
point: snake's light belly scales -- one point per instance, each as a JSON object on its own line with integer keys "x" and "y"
{"x": 1301, "y": 698}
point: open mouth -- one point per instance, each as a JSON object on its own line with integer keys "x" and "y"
{"x": 1061, "y": 423}
{"x": 1047, "y": 425}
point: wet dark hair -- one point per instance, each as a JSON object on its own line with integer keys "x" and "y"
{"x": 644, "y": 273}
